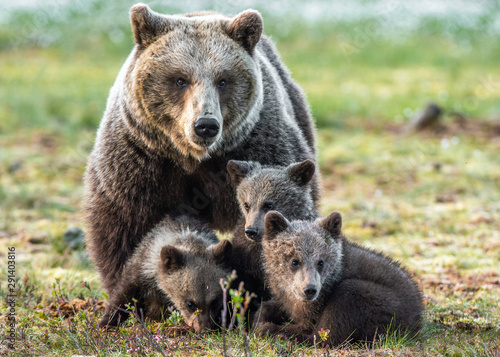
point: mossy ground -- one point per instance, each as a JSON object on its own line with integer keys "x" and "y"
{"x": 430, "y": 199}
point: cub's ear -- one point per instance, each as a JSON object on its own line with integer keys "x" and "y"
{"x": 246, "y": 29}
{"x": 222, "y": 252}
{"x": 274, "y": 223}
{"x": 332, "y": 223}
{"x": 147, "y": 25}
{"x": 302, "y": 172}
{"x": 238, "y": 170}
{"x": 171, "y": 258}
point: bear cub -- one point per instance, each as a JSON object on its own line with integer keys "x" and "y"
{"x": 321, "y": 280}
{"x": 178, "y": 263}
{"x": 259, "y": 190}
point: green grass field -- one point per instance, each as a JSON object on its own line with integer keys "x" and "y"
{"x": 429, "y": 199}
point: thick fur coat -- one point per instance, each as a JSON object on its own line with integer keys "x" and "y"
{"x": 320, "y": 280}
{"x": 196, "y": 91}
{"x": 177, "y": 264}
{"x": 261, "y": 189}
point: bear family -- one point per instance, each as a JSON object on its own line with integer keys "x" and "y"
{"x": 196, "y": 91}
{"x": 322, "y": 281}
{"x": 179, "y": 263}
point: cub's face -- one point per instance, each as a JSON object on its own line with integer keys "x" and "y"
{"x": 193, "y": 77}
{"x": 263, "y": 193}
{"x": 198, "y": 298}
{"x": 300, "y": 257}
{"x": 192, "y": 282}
{"x": 283, "y": 189}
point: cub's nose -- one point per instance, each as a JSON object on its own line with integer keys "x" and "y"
{"x": 310, "y": 291}
{"x": 206, "y": 128}
{"x": 251, "y": 233}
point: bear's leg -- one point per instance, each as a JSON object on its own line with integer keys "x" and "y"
{"x": 300, "y": 331}
{"x": 116, "y": 311}
{"x": 270, "y": 312}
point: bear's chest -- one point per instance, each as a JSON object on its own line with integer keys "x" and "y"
{"x": 207, "y": 194}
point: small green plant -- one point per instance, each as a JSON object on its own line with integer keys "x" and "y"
{"x": 240, "y": 302}
{"x": 175, "y": 318}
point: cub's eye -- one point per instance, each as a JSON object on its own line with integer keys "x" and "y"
{"x": 191, "y": 306}
{"x": 268, "y": 206}
{"x": 321, "y": 264}
{"x": 247, "y": 207}
{"x": 181, "y": 82}
{"x": 295, "y": 263}
{"x": 222, "y": 83}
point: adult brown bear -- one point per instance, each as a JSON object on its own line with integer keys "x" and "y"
{"x": 196, "y": 91}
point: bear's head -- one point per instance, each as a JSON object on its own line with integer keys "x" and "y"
{"x": 302, "y": 257}
{"x": 261, "y": 189}
{"x": 191, "y": 279}
{"x": 193, "y": 82}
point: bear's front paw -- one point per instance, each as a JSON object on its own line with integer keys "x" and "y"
{"x": 112, "y": 318}
{"x": 267, "y": 329}
{"x": 270, "y": 311}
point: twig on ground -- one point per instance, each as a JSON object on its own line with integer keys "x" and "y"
{"x": 69, "y": 332}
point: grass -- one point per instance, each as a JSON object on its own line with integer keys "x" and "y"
{"x": 430, "y": 200}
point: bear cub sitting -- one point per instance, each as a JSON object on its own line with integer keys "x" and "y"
{"x": 259, "y": 190}
{"x": 321, "y": 280}
{"x": 178, "y": 263}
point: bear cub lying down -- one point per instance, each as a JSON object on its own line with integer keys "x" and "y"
{"x": 321, "y": 280}
{"x": 178, "y": 263}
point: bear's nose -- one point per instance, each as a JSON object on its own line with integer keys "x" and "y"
{"x": 251, "y": 232}
{"x": 310, "y": 291}
{"x": 206, "y": 128}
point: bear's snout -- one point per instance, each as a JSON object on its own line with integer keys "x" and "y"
{"x": 202, "y": 323}
{"x": 310, "y": 291}
{"x": 307, "y": 284}
{"x": 252, "y": 233}
{"x": 206, "y": 128}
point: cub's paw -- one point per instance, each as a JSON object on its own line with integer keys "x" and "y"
{"x": 267, "y": 329}
{"x": 270, "y": 311}
{"x": 112, "y": 318}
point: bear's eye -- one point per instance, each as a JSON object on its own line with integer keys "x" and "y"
{"x": 321, "y": 264}
{"x": 222, "y": 83}
{"x": 247, "y": 207}
{"x": 295, "y": 263}
{"x": 191, "y": 306}
{"x": 268, "y": 206}
{"x": 181, "y": 82}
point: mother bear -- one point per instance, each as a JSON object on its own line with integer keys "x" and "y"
{"x": 197, "y": 91}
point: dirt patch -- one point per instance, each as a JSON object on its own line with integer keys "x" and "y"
{"x": 70, "y": 308}
{"x": 458, "y": 126}
{"x": 453, "y": 280}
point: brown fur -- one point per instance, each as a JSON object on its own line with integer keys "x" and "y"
{"x": 260, "y": 189}
{"x": 177, "y": 264}
{"x": 149, "y": 162}
{"x": 320, "y": 280}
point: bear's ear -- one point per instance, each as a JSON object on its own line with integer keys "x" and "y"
{"x": 171, "y": 258}
{"x": 222, "y": 252}
{"x": 274, "y": 223}
{"x": 238, "y": 170}
{"x": 147, "y": 25}
{"x": 302, "y": 172}
{"x": 332, "y": 223}
{"x": 246, "y": 29}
